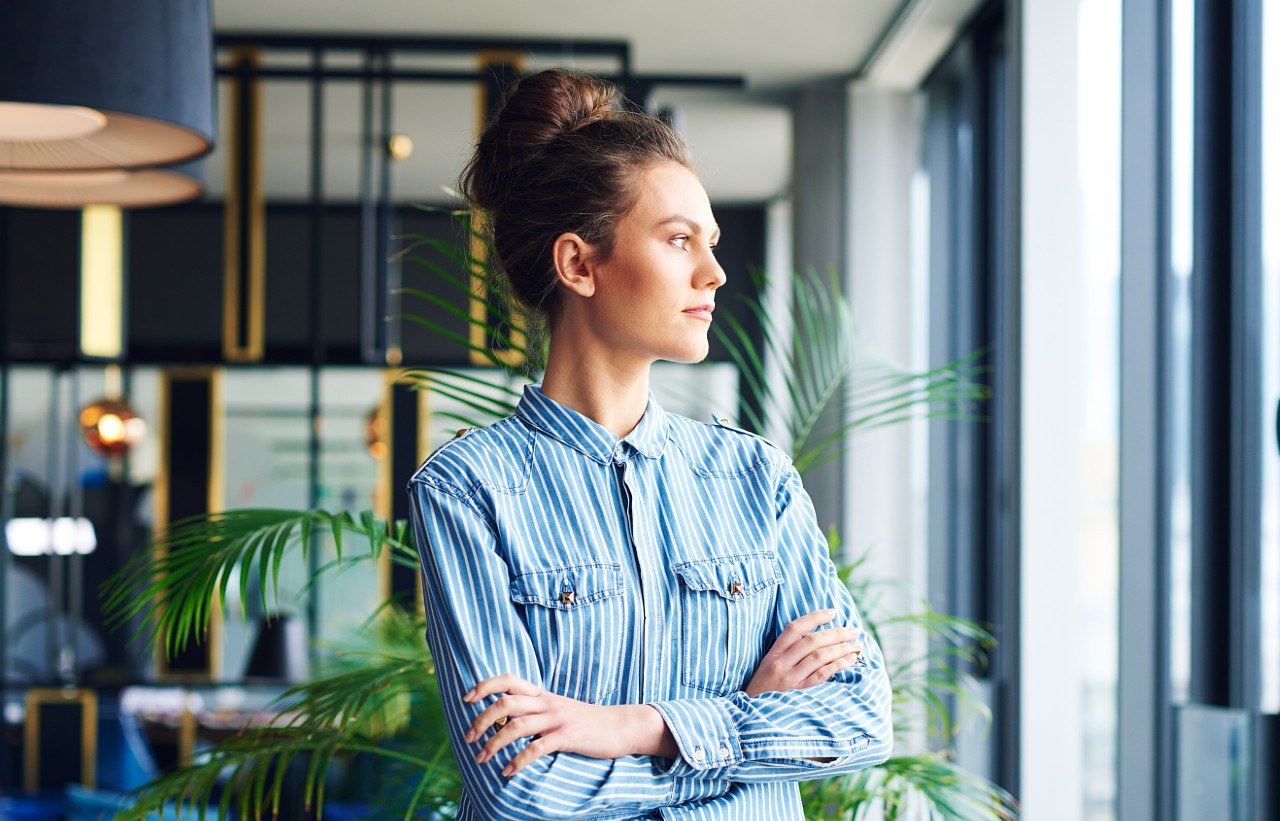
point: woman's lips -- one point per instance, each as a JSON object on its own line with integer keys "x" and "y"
{"x": 702, "y": 312}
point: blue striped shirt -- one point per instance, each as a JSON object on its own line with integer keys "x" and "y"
{"x": 656, "y": 569}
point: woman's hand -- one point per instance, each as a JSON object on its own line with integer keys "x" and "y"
{"x": 802, "y": 658}
{"x": 561, "y": 724}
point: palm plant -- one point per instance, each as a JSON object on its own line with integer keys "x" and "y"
{"x": 377, "y": 697}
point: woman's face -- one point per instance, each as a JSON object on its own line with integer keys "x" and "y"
{"x": 655, "y": 293}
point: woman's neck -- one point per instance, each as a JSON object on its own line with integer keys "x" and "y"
{"x": 586, "y": 379}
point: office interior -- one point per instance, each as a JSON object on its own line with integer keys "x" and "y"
{"x": 1056, "y": 221}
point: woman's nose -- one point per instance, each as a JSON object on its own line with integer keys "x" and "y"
{"x": 715, "y": 274}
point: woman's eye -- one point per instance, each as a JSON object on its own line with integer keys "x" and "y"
{"x": 680, "y": 241}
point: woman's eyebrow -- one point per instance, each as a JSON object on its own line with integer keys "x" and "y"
{"x": 692, "y": 223}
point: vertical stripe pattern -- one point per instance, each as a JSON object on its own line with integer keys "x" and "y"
{"x": 656, "y": 569}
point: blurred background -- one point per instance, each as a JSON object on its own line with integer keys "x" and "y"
{"x": 1085, "y": 191}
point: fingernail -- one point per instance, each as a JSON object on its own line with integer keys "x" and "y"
{"x": 480, "y": 757}
{"x": 470, "y": 736}
{"x": 468, "y": 695}
{"x": 507, "y": 771}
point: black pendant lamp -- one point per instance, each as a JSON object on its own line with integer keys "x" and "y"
{"x": 107, "y": 86}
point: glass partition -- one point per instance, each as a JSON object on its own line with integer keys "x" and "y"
{"x": 1271, "y": 358}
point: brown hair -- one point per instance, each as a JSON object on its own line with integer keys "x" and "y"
{"x": 562, "y": 155}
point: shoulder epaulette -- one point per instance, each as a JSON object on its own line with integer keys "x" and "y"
{"x": 462, "y": 433}
{"x": 721, "y": 422}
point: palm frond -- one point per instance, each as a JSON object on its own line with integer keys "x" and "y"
{"x": 824, "y": 359}
{"x": 917, "y": 787}
{"x": 381, "y": 687}
{"x": 175, "y": 585}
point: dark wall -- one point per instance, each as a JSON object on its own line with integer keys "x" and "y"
{"x": 174, "y": 282}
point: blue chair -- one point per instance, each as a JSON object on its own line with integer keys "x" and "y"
{"x": 39, "y": 807}
{"x": 102, "y": 805}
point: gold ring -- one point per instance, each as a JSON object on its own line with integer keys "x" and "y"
{"x": 497, "y": 725}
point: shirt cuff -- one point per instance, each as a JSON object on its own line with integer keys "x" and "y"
{"x": 704, "y": 731}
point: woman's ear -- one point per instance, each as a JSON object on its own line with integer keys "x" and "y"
{"x": 571, "y": 254}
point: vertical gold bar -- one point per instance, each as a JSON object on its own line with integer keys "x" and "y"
{"x": 382, "y": 490}
{"x": 187, "y": 726}
{"x": 217, "y": 499}
{"x": 253, "y": 201}
{"x": 89, "y": 738}
{"x": 102, "y": 281}
{"x": 424, "y": 450}
{"x": 31, "y": 744}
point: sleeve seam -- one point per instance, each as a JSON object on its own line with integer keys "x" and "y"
{"x": 465, "y": 497}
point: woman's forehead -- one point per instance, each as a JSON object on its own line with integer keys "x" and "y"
{"x": 670, "y": 191}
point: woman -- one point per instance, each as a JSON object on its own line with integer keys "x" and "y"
{"x": 633, "y": 614}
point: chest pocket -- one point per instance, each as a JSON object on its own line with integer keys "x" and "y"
{"x": 575, "y": 616}
{"x": 726, "y": 606}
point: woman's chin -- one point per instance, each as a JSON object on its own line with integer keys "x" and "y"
{"x": 690, "y": 356}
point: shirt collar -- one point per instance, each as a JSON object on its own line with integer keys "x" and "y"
{"x": 588, "y": 436}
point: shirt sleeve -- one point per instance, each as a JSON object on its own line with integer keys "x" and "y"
{"x": 841, "y": 725}
{"x": 474, "y": 633}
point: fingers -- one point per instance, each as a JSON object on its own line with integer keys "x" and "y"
{"x": 514, "y": 730}
{"x": 521, "y": 711}
{"x": 501, "y": 684}
{"x": 795, "y": 632}
{"x": 827, "y": 671}
{"x": 818, "y": 642}
{"x": 827, "y": 652}
{"x": 535, "y": 749}
{"x": 498, "y": 713}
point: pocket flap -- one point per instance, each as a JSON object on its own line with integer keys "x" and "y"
{"x": 731, "y": 576}
{"x": 567, "y": 588}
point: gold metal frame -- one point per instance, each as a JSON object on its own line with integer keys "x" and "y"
{"x": 384, "y": 486}
{"x": 254, "y": 200}
{"x": 216, "y": 497}
{"x": 88, "y": 733}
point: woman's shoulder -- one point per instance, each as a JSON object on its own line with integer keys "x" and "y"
{"x": 720, "y": 448}
{"x": 497, "y": 456}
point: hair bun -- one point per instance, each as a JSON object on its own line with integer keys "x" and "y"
{"x": 539, "y": 109}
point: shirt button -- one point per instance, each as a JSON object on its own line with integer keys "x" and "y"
{"x": 724, "y": 751}
{"x": 735, "y": 588}
{"x": 568, "y": 597}
{"x": 698, "y": 755}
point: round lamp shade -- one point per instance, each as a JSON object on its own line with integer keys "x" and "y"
{"x": 76, "y": 189}
{"x": 107, "y": 85}
{"x": 110, "y": 427}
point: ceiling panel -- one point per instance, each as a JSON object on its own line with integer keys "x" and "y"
{"x": 770, "y": 43}
{"x": 741, "y": 140}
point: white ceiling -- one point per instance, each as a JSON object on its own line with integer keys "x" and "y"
{"x": 741, "y": 139}
{"x": 772, "y": 43}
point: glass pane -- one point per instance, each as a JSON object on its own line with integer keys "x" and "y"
{"x": 1182, "y": 59}
{"x": 28, "y": 486}
{"x": 266, "y": 417}
{"x": 52, "y": 617}
{"x": 1270, "y": 357}
{"x": 350, "y": 469}
{"x": 1098, "y": 138}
